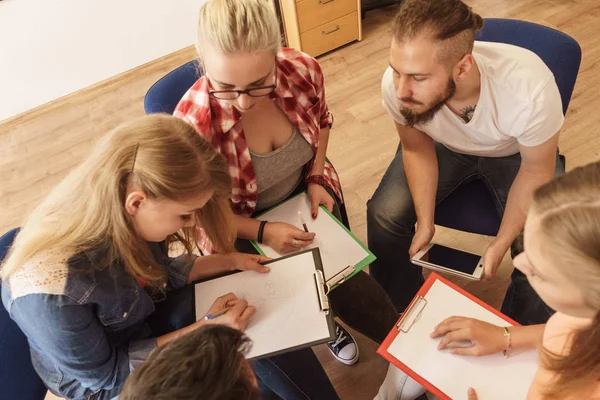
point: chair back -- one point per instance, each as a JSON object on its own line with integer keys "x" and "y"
{"x": 18, "y": 379}
{"x": 165, "y": 94}
{"x": 559, "y": 51}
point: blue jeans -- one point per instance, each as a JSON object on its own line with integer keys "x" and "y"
{"x": 391, "y": 222}
{"x": 297, "y": 375}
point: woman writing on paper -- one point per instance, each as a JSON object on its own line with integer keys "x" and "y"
{"x": 89, "y": 279}
{"x": 561, "y": 259}
{"x": 264, "y": 108}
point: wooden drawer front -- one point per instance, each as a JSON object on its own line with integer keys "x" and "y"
{"x": 330, "y": 35}
{"x": 313, "y": 13}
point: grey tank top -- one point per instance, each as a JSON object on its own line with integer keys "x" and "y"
{"x": 279, "y": 172}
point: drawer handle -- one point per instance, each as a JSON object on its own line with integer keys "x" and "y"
{"x": 325, "y": 2}
{"x": 337, "y": 28}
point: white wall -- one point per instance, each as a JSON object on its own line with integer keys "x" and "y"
{"x": 50, "y": 48}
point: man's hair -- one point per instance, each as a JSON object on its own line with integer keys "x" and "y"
{"x": 450, "y": 23}
{"x": 206, "y": 364}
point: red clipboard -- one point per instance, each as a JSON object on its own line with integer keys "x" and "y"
{"x": 412, "y": 308}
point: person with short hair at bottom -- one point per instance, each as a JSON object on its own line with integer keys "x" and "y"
{"x": 206, "y": 364}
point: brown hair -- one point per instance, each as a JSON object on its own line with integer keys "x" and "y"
{"x": 569, "y": 209}
{"x": 206, "y": 364}
{"x": 450, "y": 23}
{"x": 161, "y": 154}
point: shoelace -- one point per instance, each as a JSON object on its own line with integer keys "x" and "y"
{"x": 341, "y": 337}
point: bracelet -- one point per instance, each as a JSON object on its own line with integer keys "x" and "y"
{"x": 316, "y": 179}
{"x": 261, "y": 231}
{"x": 506, "y": 351}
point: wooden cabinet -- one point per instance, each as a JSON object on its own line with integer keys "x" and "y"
{"x": 318, "y": 26}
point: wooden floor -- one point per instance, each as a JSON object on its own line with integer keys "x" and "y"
{"x": 38, "y": 148}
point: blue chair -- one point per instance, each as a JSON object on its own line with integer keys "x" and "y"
{"x": 18, "y": 379}
{"x": 470, "y": 208}
{"x": 163, "y": 96}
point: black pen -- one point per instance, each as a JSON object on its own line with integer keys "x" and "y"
{"x": 303, "y": 222}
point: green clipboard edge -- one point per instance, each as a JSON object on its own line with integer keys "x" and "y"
{"x": 357, "y": 268}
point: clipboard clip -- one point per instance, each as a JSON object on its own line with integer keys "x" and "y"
{"x": 412, "y": 314}
{"x": 322, "y": 291}
{"x": 340, "y": 277}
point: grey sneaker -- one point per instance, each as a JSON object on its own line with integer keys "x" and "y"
{"x": 344, "y": 348}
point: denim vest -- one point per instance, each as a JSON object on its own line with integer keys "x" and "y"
{"x": 85, "y": 318}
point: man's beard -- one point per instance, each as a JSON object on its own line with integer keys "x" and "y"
{"x": 425, "y": 117}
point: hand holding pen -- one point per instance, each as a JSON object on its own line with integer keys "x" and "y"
{"x": 230, "y": 311}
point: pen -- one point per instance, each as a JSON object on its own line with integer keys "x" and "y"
{"x": 303, "y": 222}
{"x": 208, "y": 317}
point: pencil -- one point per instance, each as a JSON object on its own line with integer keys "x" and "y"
{"x": 208, "y": 317}
{"x": 303, "y": 222}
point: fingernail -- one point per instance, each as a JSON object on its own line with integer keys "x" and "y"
{"x": 314, "y": 216}
{"x": 471, "y": 391}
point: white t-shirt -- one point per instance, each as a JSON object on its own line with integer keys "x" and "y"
{"x": 519, "y": 103}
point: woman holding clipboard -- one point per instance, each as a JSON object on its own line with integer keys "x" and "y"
{"x": 561, "y": 260}
{"x": 89, "y": 279}
{"x": 264, "y": 108}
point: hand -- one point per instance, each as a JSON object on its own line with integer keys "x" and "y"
{"x": 238, "y": 312}
{"x": 485, "y": 338}
{"x": 472, "y": 394}
{"x": 246, "y": 262}
{"x": 422, "y": 238}
{"x": 491, "y": 260}
{"x": 318, "y": 195}
{"x": 285, "y": 238}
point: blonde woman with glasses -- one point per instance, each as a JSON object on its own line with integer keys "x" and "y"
{"x": 264, "y": 108}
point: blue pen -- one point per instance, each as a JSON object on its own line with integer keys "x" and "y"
{"x": 208, "y": 317}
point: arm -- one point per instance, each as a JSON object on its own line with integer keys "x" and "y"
{"x": 485, "y": 338}
{"x": 207, "y": 266}
{"x": 72, "y": 336}
{"x": 537, "y": 167}
{"x": 278, "y": 235}
{"x": 421, "y": 167}
{"x": 319, "y": 164}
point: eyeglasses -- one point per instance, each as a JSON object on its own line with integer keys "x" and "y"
{"x": 252, "y": 92}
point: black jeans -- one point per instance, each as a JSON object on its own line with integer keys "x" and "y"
{"x": 360, "y": 302}
{"x": 391, "y": 222}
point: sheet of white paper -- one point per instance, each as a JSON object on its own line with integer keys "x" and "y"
{"x": 492, "y": 376}
{"x": 338, "y": 249}
{"x": 287, "y": 305}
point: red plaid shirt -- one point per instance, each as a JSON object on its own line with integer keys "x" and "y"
{"x": 300, "y": 93}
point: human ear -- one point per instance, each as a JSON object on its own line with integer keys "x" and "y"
{"x": 463, "y": 67}
{"x": 133, "y": 201}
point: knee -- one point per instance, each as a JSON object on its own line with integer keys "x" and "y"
{"x": 392, "y": 210}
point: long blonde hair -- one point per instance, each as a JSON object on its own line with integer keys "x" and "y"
{"x": 167, "y": 159}
{"x": 238, "y": 26}
{"x": 569, "y": 210}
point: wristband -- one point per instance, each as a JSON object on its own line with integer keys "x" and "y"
{"x": 506, "y": 351}
{"x": 261, "y": 230}
{"x": 316, "y": 179}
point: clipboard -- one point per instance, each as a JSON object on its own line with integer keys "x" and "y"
{"x": 292, "y": 304}
{"x": 352, "y": 247}
{"x": 442, "y": 373}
